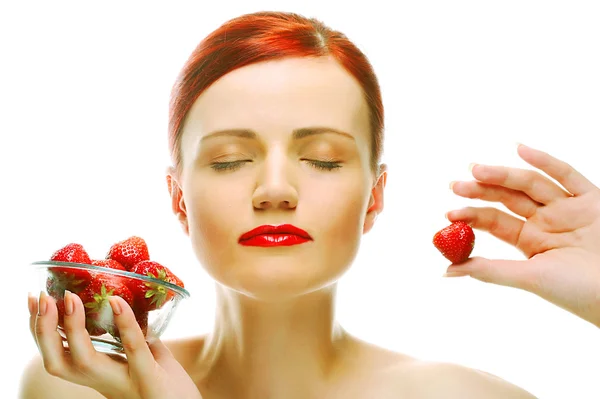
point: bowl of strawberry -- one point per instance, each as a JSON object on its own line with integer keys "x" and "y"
{"x": 150, "y": 288}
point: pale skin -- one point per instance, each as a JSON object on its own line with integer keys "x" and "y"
{"x": 275, "y": 334}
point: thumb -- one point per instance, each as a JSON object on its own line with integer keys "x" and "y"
{"x": 509, "y": 273}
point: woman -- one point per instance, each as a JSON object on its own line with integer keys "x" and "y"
{"x": 277, "y": 121}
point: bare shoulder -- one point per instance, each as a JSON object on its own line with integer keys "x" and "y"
{"x": 438, "y": 379}
{"x": 36, "y": 383}
{"x": 394, "y": 375}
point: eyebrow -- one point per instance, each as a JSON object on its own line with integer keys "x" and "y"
{"x": 297, "y": 134}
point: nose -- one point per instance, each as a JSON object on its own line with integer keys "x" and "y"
{"x": 275, "y": 189}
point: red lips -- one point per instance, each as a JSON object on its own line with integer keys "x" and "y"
{"x": 269, "y": 235}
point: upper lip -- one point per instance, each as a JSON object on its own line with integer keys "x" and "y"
{"x": 275, "y": 229}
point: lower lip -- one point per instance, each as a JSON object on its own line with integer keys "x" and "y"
{"x": 274, "y": 240}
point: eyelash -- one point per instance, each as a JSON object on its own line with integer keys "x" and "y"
{"x": 321, "y": 165}
{"x": 225, "y": 166}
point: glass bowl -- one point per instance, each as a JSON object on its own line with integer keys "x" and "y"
{"x": 153, "y": 301}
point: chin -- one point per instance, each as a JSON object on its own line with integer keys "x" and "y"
{"x": 273, "y": 280}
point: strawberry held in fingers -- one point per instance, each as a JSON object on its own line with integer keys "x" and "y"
{"x": 129, "y": 252}
{"x": 151, "y": 296}
{"x": 455, "y": 242}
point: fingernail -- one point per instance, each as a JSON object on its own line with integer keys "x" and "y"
{"x": 455, "y": 274}
{"x": 31, "y": 303}
{"x": 42, "y": 304}
{"x": 68, "y": 303}
{"x": 451, "y": 184}
{"x": 114, "y": 304}
{"x": 517, "y": 144}
{"x": 471, "y": 166}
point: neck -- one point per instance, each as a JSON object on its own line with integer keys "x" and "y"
{"x": 278, "y": 349}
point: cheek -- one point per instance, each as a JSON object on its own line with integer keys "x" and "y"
{"x": 213, "y": 215}
{"x": 339, "y": 211}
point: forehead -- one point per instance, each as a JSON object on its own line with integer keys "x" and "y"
{"x": 282, "y": 95}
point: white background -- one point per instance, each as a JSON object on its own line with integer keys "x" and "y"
{"x": 84, "y": 95}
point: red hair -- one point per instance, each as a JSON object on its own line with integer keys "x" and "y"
{"x": 265, "y": 36}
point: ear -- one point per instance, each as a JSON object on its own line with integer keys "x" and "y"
{"x": 177, "y": 201}
{"x": 376, "y": 199}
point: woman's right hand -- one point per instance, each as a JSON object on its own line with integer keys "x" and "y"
{"x": 150, "y": 371}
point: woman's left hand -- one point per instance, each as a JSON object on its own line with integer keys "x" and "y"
{"x": 557, "y": 228}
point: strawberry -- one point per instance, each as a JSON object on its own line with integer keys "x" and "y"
{"x": 63, "y": 278}
{"x": 455, "y": 242}
{"x": 98, "y": 312}
{"x": 73, "y": 252}
{"x": 173, "y": 279}
{"x": 60, "y": 306}
{"x": 108, "y": 263}
{"x": 142, "y": 319}
{"x": 151, "y": 296}
{"x": 129, "y": 252}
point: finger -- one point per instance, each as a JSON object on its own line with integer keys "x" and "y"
{"x": 536, "y": 186}
{"x": 82, "y": 351}
{"x": 162, "y": 354}
{"x": 49, "y": 341}
{"x": 159, "y": 349}
{"x": 559, "y": 170}
{"x": 522, "y": 274}
{"x": 501, "y": 225}
{"x": 164, "y": 357}
{"x": 140, "y": 359}
{"x": 96, "y": 370}
{"x": 516, "y": 201}
{"x": 32, "y": 304}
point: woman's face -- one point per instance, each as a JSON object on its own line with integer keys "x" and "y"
{"x": 279, "y": 142}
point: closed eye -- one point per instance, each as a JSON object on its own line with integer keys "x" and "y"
{"x": 234, "y": 165}
{"x": 227, "y": 166}
{"x": 323, "y": 165}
